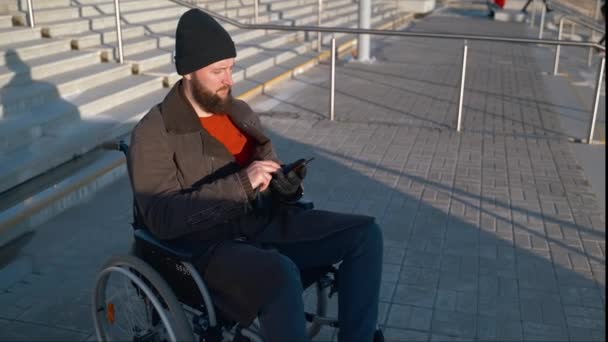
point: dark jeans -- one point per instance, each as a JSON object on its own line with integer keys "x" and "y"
{"x": 360, "y": 249}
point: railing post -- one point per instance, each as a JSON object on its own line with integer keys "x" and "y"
{"x": 596, "y": 100}
{"x": 332, "y": 94}
{"x": 118, "y": 31}
{"x": 30, "y": 13}
{"x": 462, "y": 78}
{"x": 365, "y": 13}
{"x": 558, "y": 48}
{"x": 572, "y": 29}
{"x": 533, "y": 13}
{"x": 256, "y": 11}
{"x": 542, "y": 23}
{"x": 319, "y": 21}
{"x": 590, "y": 54}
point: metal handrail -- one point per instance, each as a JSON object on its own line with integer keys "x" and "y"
{"x": 118, "y": 31}
{"x": 376, "y": 32}
{"x": 571, "y": 13}
{"x": 559, "y": 37}
{"x": 30, "y": 13}
{"x": 441, "y": 35}
{"x": 583, "y": 23}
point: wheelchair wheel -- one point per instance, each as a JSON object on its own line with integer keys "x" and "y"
{"x": 132, "y": 302}
{"x": 318, "y": 303}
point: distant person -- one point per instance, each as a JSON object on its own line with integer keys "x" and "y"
{"x": 494, "y": 5}
{"x": 547, "y": 7}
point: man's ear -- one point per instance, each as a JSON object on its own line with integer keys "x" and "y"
{"x": 188, "y": 77}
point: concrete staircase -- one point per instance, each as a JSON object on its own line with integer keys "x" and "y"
{"x": 62, "y": 93}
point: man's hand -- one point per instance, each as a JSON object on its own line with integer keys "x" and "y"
{"x": 260, "y": 173}
{"x": 286, "y": 185}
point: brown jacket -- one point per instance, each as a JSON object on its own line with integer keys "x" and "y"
{"x": 187, "y": 185}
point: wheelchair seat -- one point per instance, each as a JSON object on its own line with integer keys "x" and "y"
{"x": 182, "y": 253}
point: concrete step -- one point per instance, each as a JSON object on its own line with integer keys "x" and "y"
{"x": 167, "y": 24}
{"x": 270, "y": 40}
{"x": 281, "y": 5}
{"x": 12, "y": 6}
{"x": 65, "y": 28}
{"x": 22, "y": 73}
{"x": 299, "y": 10}
{"x": 12, "y": 35}
{"x": 106, "y": 36}
{"x": 107, "y": 7}
{"x": 30, "y": 99}
{"x": 48, "y": 15}
{"x": 30, "y": 49}
{"x": 143, "y": 61}
{"x": 77, "y": 25}
{"x": 167, "y": 72}
{"x": 216, "y": 5}
{"x": 152, "y": 14}
{"x": 106, "y": 96}
{"x": 64, "y": 142}
{"x": 39, "y": 5}
{"x": 145, "y": 43}
{"x": 6, "y": 21}
{"x": 267, "y": 78}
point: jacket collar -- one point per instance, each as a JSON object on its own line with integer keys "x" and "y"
{"x": 180, "y": 118}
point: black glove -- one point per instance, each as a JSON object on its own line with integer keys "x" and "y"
{"x": 286, "y": 182}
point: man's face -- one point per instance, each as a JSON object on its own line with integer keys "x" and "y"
{"x": 212, "y": 85}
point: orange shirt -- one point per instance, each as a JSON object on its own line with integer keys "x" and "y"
{"x": 224, "y": 130}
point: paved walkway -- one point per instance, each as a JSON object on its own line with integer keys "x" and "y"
{"x": 493, "y": 234}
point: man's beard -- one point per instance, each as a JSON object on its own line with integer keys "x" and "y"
{"x": 210, "y": 102}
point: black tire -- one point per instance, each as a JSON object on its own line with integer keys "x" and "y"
{"x": 159, "y": 302}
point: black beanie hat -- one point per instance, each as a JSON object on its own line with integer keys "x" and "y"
{"x": 200, "y": 41}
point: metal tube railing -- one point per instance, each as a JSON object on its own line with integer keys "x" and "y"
{"x": 319, "y": 20}
{"x": 256, "y": 11}
{"x": 332, "y": 93}
{"x": 558, "y": 48}
{"x": 30, "y": 13}
{"x": 375, "y": 32}
{"x": 596, "y": 99}
{"x": 462, "y": 80}
{"x": 541, "y": 27}
{"x": 487, "y": 38}
{"x": 118, "y": 31}
{"x": 533, "y": 17}
{"x": 559, "y": 38}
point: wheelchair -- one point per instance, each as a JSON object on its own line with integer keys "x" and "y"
{"x": 156, "y": 294}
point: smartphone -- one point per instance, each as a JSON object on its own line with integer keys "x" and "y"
{"x": 297, "y": 165}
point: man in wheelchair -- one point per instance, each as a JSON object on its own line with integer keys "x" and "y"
{"x": 204, "y": 172}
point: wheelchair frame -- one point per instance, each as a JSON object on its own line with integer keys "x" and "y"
{"x": 178, "y": 300}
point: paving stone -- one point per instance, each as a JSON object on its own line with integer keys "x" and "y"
{"x": 413, "y": 295}
{"x": 22, "y": 331}
{"x": 399, "y": 335}
{"x": 419, "y": 276}
{"x": 543, "y": 332}
{"x": 454, "y": 324}
{"x": 409, "y": 317}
